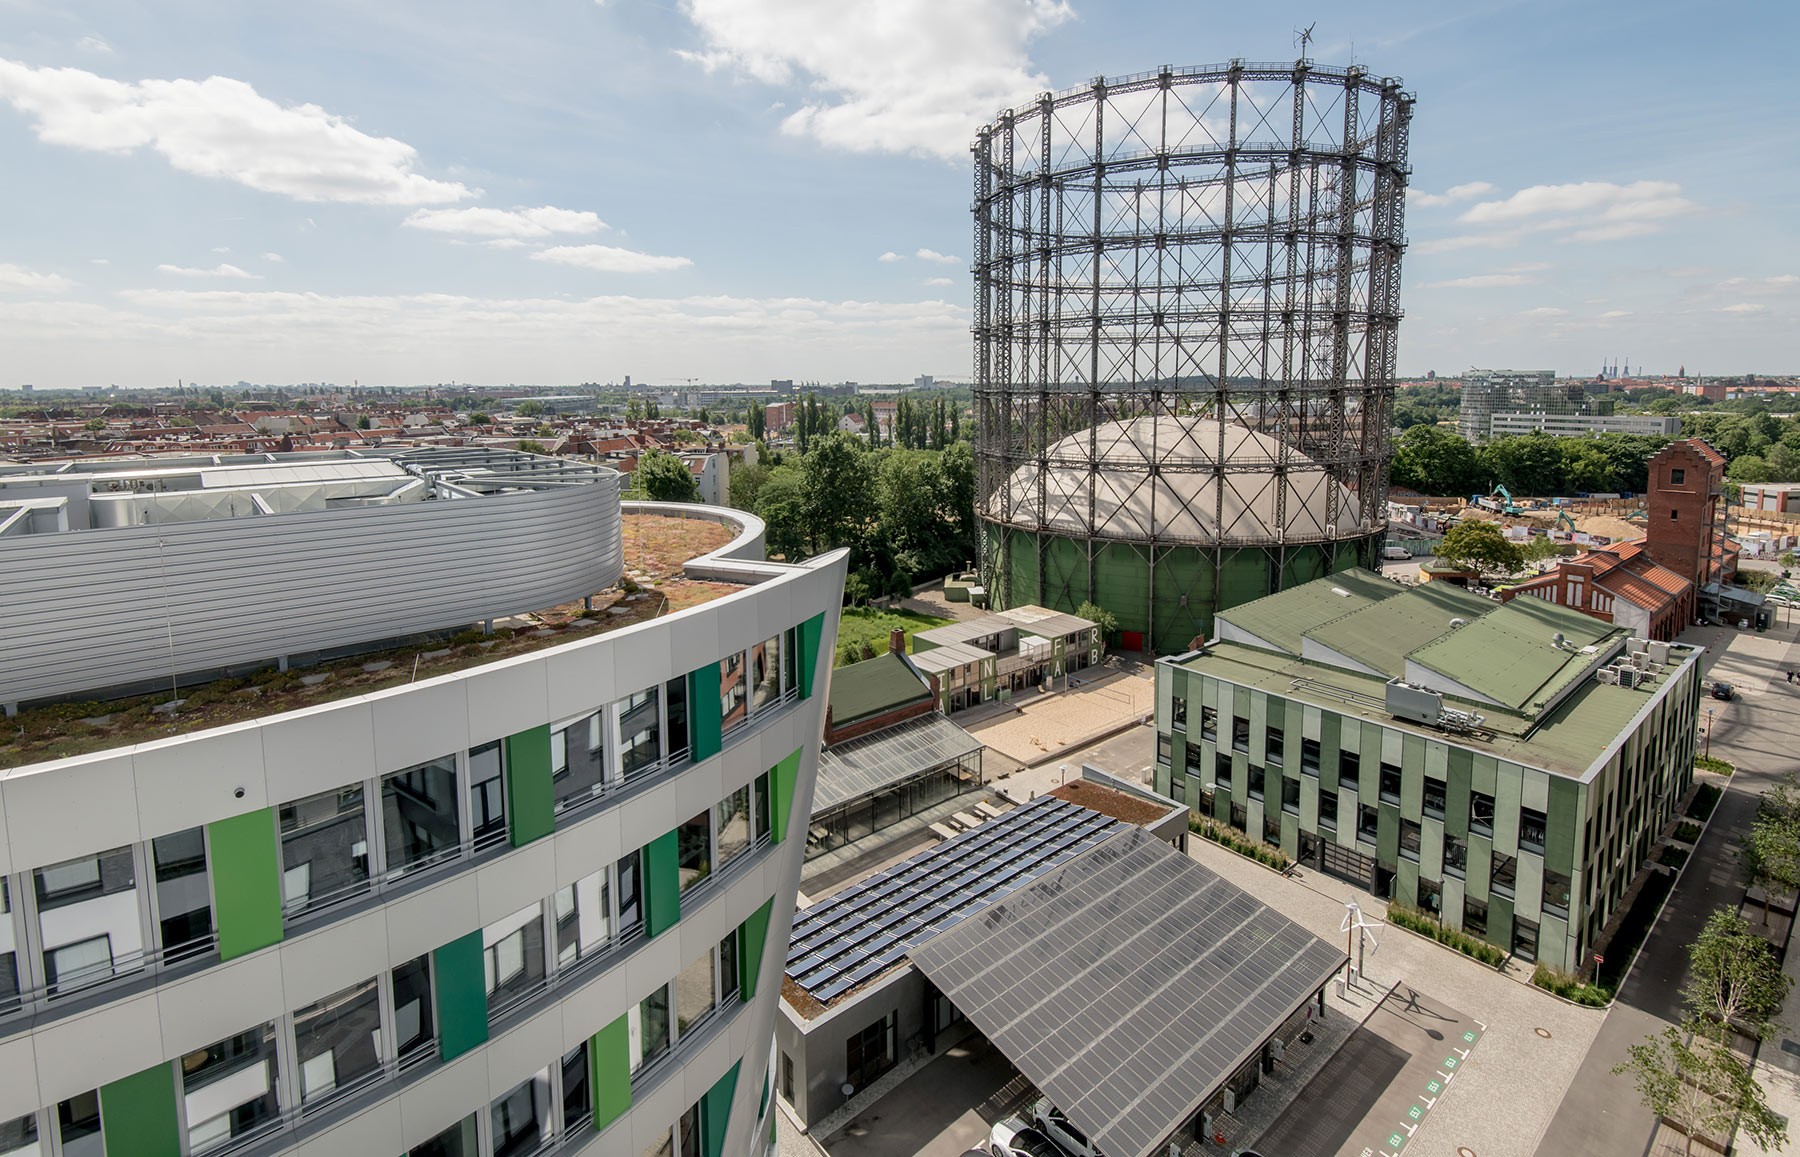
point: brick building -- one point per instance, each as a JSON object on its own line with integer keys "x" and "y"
{"x": 1619, "y": 584}
{"x": 1686, "y": 505}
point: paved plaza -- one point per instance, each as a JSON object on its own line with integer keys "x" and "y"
{"x": 1041, "y": 727}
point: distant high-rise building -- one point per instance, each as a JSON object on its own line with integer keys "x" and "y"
{"x": 1489, "y": 392}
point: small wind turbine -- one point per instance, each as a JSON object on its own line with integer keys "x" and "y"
{"x": 1303, "y": 37}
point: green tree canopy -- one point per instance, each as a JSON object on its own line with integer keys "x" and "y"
{"x": 1481, "y": 545}
{"x": 1432, "y": 460}
{"x": 1733, "y": 976}
{"x": 665, "y": 478}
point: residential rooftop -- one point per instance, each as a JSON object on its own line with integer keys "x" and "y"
{"x": 657, "y": 547}
{"x": 873, "y": 687}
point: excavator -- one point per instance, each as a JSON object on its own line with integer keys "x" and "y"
{"x": 1564, "y": 521}
{"x": 1487, "y": 502}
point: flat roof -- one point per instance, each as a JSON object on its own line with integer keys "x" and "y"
{"x": 1380, "y": 634}
{"x": 1507, "y": 655}
{"x": 873, "y": 687}
{"x": 1281, "y": 618}
{"x": 1029, "y": 618}
{"x": 1128, "y": 984}
{"x": 863, "y": 766}
{"x": 848, "y": 939}
{"x": 948, "y": 655}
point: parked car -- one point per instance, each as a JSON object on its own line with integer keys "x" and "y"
{"x": 1015, "y": 1137}
{"x": 1721, "y": 689}
{"x": 1055, "y": 1125}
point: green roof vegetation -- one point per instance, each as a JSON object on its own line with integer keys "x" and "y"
{"x": 1279, "y": 619}
{"x": 1380, "y": 635}
{"x": 873, "y": 687}
{"x": 1508, "y": 655}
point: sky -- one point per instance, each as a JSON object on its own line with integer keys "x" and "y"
{"x": 740, "y": 190}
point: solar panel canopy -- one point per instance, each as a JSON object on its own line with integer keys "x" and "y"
{"x": 1128, "y": 984}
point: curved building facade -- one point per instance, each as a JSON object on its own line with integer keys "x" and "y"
{"x": 533, "y": 904}
{"x": 1186, "y": 307}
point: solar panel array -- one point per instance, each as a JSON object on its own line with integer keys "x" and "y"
{"x": 1129, "y": 986}
{"x": 855, "y": 935}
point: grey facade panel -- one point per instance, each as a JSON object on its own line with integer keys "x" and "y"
{"x": 94, "y": 610}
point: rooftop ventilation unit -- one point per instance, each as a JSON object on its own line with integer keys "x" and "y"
{"x": 1557, "y": 640}
{"x": 1608, "y": 676}
{"x": 1455, "y": 623}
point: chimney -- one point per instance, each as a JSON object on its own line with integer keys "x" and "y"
{"x": 897, "y": 641}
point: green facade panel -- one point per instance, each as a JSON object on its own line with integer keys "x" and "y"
{"x": 530, "y": 792}
{"x": 783, "y": 778}
{"x": 137, "y": 1115}
{"x": 662, "y": 884}
{"x": 706, "y": 711}
{"x": 1500, "y": 922}
{"x": 812, "y": 633}
{"x": 246, "y": 876}
{"x": 609, "y": 1072}
{"x": 1562, "y": 832}
{"x": 715, "y": 1113}
{"x": 1387, "y": 833}
{"x": 461, "y": 984}
{"x": 753, "y": 935}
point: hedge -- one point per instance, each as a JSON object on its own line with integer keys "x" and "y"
{"x": 1417, "y": 921}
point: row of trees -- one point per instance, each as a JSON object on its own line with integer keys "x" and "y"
{"x": 905, "y": 514}
{"x": 1438, "y": 461}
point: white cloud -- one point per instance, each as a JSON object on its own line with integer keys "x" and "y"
{"x": 518, "y": 224}
{"x": 1587, "y": 203}
{"x": 1544, "y": 313}
{"x": 890, "y": 257}
{"x": 19, "y": 277}
{"x": 908, "y": 76}
{"x": 99, "y": 261}
{"x": 221, "y": 249}
{"x": 220, "y": 270}
{"x": 1483, "y": 281}
{"x": 276, "y": 258}
{"x": 1745, "y": 307}
{"x": 222, "y": 128}
{"x": 609, "y": 259}
{"x": 94, "y": 45}
{"x": 934, "y": 256}
{"x": 939, "y": 281}
{"x": 1615, "y": 314}
{"x": 1449, "y": 196}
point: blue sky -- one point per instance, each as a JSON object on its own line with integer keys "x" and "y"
{"x": 569, "y": 190}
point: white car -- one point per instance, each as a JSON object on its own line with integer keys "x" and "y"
{"x": 1014, "y": 1137}
{"x": 1054, "y": 1124}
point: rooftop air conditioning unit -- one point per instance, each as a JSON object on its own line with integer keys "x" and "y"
{"x": 1608, "y": 676}
{"x": 1659, "y": 652}
{"x": 1630, "y": 676}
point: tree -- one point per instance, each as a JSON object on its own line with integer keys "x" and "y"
{"x": 530, "y": 447}
{"x": 666, "y": 478}
{"x": 836, "y": 488}
{"x": 529, "y": 409}
{"x": 1733, "y": 976}
{"x": 480, "y": 418}
{"x": 781, "y": 505}
{"x": 757, "y": 421}
{"x": 1771, "y": 847}
{"x": 1701, "y": 1087}
{"x": 1482, "y": 545}
{"x": 747, "y": 483}
{"x": 1539, "y": 547}
{"x": 363, "y": 422}
{"x": 1100, "y": 617}
{"x": 1435, "y": 461}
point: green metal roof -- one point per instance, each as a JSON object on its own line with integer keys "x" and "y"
{"x": 1568, "y": 741}
{"x": 874, "y": 686}
{"x": 1279, "y": 619}
{"x": 1507, "y": 655}
{"x": 1379, "y": 635}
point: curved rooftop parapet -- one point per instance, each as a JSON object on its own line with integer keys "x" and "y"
{"x": 138, "y": 572}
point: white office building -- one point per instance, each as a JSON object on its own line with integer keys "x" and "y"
{"x": 445, "y": 843}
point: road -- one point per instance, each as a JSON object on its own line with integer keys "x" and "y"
{"x": 1759, "y": 732}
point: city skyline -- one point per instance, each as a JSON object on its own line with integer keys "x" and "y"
{"x": 738, "y": 190}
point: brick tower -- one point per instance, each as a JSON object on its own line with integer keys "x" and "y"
{"x": 1685, "y": 505}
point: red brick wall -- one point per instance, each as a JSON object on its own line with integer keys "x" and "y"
{"x": 1681, "y": 513}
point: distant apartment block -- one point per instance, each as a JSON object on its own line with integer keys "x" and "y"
{"x": 1580, "y": 425}
{"x": 1487, "y": 392}
{"x": 1778, "y": 497}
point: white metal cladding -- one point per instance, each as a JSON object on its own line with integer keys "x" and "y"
{"x": 90, "y": 611}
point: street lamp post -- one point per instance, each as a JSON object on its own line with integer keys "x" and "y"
{"x": 1709, "y": 715}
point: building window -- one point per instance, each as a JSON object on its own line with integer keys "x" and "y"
{"x": 1431, "y": 896}
{"x": 1274, "y": 745}
{"x": 513, "y": 957}
{"x": 1677, "y": 476}
{"x": 734, "y": 824}
{"x": 324, "y": 850}
{"x": 1505, "y": 875}
{"x": 1193, "y": 758}
{"x": 1256, "y": 782}
{"x": 790, "y": 649}
{"x": 761, "y": 797}
{"x": 1475, "y": 917}
{"x": 1525, "y": 939}
{"x": 413, "y": 1026}
{"x": 1434, "y": 798}
{"x": 694, "y": 996}
{"x": 1389, "y": 784}
{"x": 734, "y": 707}
{"x": 9, "y": 961}
{"x": 1456, "y": 855}
{"x": 1272, "y": 827}
{"x": 582, "y": 919}
{"x": 458, "y": 1140}
{"x": 1240, "y": 733}
{"x": 1165, "y": 747}
{"x": 1328, "y": 809}
{"x": 1367, "y": 822}
{"x": 78, "y": 1126}
{"x": 1178, "y": 712}
{"x": 230, "y": 1088}
{"x": 487, "y": 795}
{"x": 1531, "y": 829}
{"x": 730, "y": 986}
{"x": 1222, "y": 772}
{"x": 631, "y": 893}
{"x": 577, "y": 760}
{"x": 19, "y": 1136}
{"x": 1556, "y": 894}
{"x": 675, "y": 717}
{"x": 787, "y": 1078}
{"x": 765, "y": 674}
{"x": 1240, "y": 818}
{"x": 1409, "y": 840}
{"x": 870, "y": 1052}
{"x": 521, "y": 1117}
{"x": 1349, "y": 771}
{"x": 578, "y": 1106}
{"x": 648, "y": 1028}
{"x": 1290, "y": 796}
{"x": 1674, "y": 515}
{"x": 183, "y": 900}
{"x": 418, "y": 815}
{"x": 694, "y": 850}
{"x": 88, "y": 919}
{"x": 1209, "y": 723}
{"x": 1481, "y": 814}
{"x": 336, "y": 1041}
{"x": 1309, "y": 756}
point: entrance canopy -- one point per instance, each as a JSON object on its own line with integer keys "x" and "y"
{"x": 1128, "y": 985}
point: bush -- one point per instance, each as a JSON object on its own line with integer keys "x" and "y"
{"x": 1705, "y": 800}
{"x": 1687, "y": 833}
{"x": 1629, "y": 936}
{"x": 1571, "y": 987}
{"x": 1714, "y": 764}
{"x": 1673, "y": 857}
{"x": 1417, "y": 921}
{"x": 1234, "y": 840}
